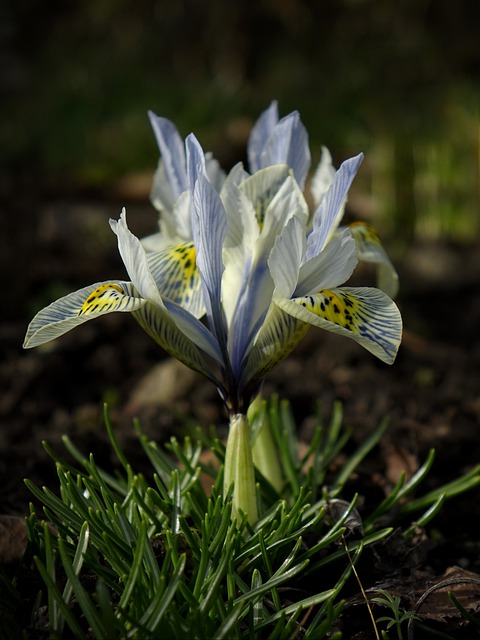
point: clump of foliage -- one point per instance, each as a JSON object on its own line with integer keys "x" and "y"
{"x": 158, "y": 554}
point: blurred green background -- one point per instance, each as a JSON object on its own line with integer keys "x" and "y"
{"x": 397, "y": 80}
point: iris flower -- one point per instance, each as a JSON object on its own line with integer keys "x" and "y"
{"x": 272, "y": 141}
{"x": 248, "y": 275}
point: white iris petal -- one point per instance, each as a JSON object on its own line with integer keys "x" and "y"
{"x": 172, "y": 155}
{"x": 331, "y": 267}
{"x": 322, "y": 177}
{"x": 366, "y": 315}
{"x": 261, "y": 131}
{"x": 242, "y": 234}
{"x": 288, "y": 144}
{"x": 237, "y": 249}
{"x": 284, "y": 260}
{"x": 209, "y": 224}
{"x": 74, "y": 309}
{"x": 326, "y": 216}
{"x": 135, "y": 260}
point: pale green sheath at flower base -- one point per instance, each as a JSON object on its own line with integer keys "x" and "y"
{"x": 242, "y": 252}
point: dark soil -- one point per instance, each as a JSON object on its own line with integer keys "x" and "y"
{"x": 431, "y": 394}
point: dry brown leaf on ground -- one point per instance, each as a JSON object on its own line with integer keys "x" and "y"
{"x": 13, "y": 539}
{"x": 435, "y": 604}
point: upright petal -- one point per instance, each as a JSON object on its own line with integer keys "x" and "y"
{"x": 242, "y": 234}
{"x": 287, "y": 202}
{"x": 80, "y": 306}
{"x": 322, "y": 177}
{"x": 137, "y": 265}
{"x": 236, "y": 175}
{"x": 259, "y": 135}
{"x": 172, "y": 152}
{"x": 364, "y": 314}
{"x": 161, "y": 194}
{"x": 135, "y": 260}
{"x": 214, "y": 171}
{"x": 209, "y": 226}
{"x": 175, "y": 226}
{"x": 285, "y": 258}
{"x": 325, "y": 217}
{"x": 288, "y": 144}
{"x": 195, "y": 160}
{"x": 261, "y": 187}
{"x": 330, "y": 268}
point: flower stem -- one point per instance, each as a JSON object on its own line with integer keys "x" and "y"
{"x": 239, "y": 469}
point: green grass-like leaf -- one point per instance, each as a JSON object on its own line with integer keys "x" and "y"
{"x": 123, "y": 556}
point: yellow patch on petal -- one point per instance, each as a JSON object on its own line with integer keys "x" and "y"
{"x": 340, "y": 308}
{"x": 365, "y": 231}
{"x": 177, "y": 276}
{"x": 261, "y": 205}
{"x": 183, "y": 265}
{"x": 107, "y": 297}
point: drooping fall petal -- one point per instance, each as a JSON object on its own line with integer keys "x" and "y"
{"x": 80, "y": 306}
{"x": 363, "y": 314}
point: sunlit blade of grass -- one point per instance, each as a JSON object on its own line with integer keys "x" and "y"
{"x": 256, "y": 608}
{"x": 401, "y": 489}
{"x": 326, "y": 447}
{"x": 135, "y": 567}
{"x": 266, "y": 560}
{"x": 90, "y": 612}
{"x": 450, "y": 489}
{"x": 162, "y": 464}
{"x": 119, "y": 485}
{"x": 55, "y": 594}
{"x": 425, "y": 518}
{"x": 53, "y": 610}
{"x": 113, "y": 440}
{"x": 176, "y": 497}
{"x": 213, "y": 583}
{"x": 146, "y": 504}
{"x": 188, "y": 457}
{"x": 274, "y": 582}
{"x": 55, "y": 509}
{"x": 175, "y": 562}
{"x": 77, "y": 563}
{"x": 160, "y": 603}
{"x": 228, "y": 630}
{"x": 340, "y": 553}
{"x": 299, "y": 606}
